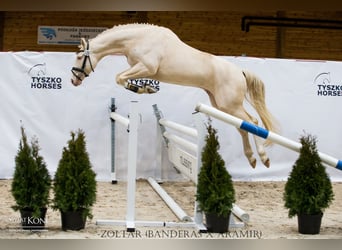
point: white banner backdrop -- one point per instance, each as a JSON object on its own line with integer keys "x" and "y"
{"x": 35, "y": 91}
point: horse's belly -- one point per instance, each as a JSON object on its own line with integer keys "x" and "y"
{"x": 184, "y": 70}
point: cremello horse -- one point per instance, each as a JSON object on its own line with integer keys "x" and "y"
{"x": 155, "y": 52}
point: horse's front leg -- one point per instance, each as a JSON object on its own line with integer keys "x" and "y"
{"x": 142, "y": 85}
{"x": 139, "y": 70}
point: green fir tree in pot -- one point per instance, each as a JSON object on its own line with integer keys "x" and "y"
{"x": 215, "y": 190}
{"x": 308, "y": 190}
{"x": 74, "y": 184}
{"x": 31, "y": 184}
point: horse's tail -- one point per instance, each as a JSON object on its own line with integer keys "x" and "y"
{"x": 256, "y": 93}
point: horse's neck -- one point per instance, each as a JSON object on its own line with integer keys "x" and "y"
{"x": 112, "y": 42}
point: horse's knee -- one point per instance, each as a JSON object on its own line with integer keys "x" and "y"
{"x": 120, "y": 80}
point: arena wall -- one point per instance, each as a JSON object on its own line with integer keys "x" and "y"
{"x": 217, "y": 32}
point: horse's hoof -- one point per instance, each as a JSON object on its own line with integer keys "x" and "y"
{"x": 253, "y": 162}
{"x": 133, "y": 88}
{"x": 267, "y": 163}
{"x": 150, "y": 90}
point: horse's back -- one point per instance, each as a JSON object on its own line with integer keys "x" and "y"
{"x": 146, "y": 31}
{"x": 179, "y": 62}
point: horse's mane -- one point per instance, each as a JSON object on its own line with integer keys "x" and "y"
{"x": 127, "y": 26}
{"x": 132, "y": 25}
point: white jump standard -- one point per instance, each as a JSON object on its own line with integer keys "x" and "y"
{"x": 263, "y": 133}
{"x": 131, "y": 124}
{"x": 132, "y": 127}
{"x": 112, "y": 155}
{"x": 186, "y": 158}
{"x": 177, "y": 156}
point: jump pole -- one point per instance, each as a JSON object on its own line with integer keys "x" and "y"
{"x": 263, "y": 133}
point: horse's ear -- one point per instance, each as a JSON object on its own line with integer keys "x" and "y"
{"x": 83, "y": 44}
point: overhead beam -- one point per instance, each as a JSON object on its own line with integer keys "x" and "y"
{"x": 248, "y": 21}
{"x": 2, "y": 25}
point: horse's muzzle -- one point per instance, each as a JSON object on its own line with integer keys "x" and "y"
{"x": 76, "y": 82}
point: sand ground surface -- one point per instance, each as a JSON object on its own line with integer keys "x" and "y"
{"x": 263, "y": 201}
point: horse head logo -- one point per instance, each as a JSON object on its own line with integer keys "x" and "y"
{"x": 37, "y": 70}
{"x": 322, "y": 78}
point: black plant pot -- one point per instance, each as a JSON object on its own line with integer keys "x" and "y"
{"x": 73, "y": 220}
{"x": 28, "y": 222}
{"x": 309, "y": 223}
{"x": 217, "y": 223}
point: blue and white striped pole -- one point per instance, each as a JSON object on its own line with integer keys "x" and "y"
{"x": 261, "y": 132}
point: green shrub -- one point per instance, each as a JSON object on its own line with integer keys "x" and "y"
{"x": 308, "y": 189}
{"x": 75, "y": 184}
{"x": 215, "y": 190}
{"x": 31, "y": 180}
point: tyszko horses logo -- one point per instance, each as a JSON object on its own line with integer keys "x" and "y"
{"x": 325, "y": 85}
{"x": 40, "y": 79}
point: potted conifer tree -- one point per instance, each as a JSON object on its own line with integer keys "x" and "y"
{"x": 74, "y": 184}
{"x": 308, "y": 190}
{"x": 31, "y": 184}
{"x": 215, "y": 191}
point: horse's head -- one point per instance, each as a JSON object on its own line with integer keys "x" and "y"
{"x": 85, "y": 63}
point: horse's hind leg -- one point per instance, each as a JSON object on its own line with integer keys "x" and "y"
{"x": 247, "y": 148}
{"x": 259, "y": 144}
{"x": 258, "y": 141}
{"x": 261, "y": 151}
{"x": 242, "y": 114}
